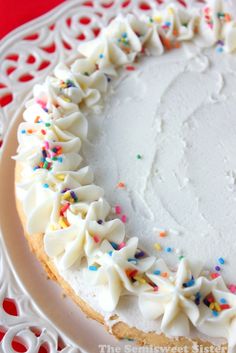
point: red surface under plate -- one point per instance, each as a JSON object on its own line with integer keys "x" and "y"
{"x": 14, "y": 13}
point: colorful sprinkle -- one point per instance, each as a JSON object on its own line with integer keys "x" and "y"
{"x": 37, "y": 119}
{"x": 63, "y": 222}
{"x": 232, "y": 288}
{"x": 165, "y": 274}
{"x": 121, "y": 185}
{"x": 225, "y": 306}
{"x": 221, "y": 260}
{"x": 139, "y": 156}
{"x": 114, "y": 245}
{"x": 96, "y": 238}
{"x": 130, "y": 68}
{"x": 214, "y": 306}
{"x": 74, "y": 196}
{"x": 140, "y": 279}
{"x": 163, "y": 234}
{"x": 157, "y": 18}
{"x": 117, "y": 209}
{"x": 157, "y": 246}
{"x": 124, "y": 218}
{"x": 121, "y": 245}
{"x": 41, "y": 103}
{"x": 60, "y": 177}
{"x": 197, "y": 298}
{"x": 214, "y": 275}
{"x": 92, "y": 268}
{"x": 223, "y": 301}
{"x": 215, "y": 313}
{"x": 190, "y": 283}
{"x": 130, "y": 272}
{"x": 139, "y": 254}
{"x": 168, "y": 249}
{"x": 64, "y": 208}
{"x": 70, "y": 83}
{"x": 48, "y": 156}
{"x": 157, "y": 272}
{"x": 46, "y": 186}
{"x": 219, "y": 49}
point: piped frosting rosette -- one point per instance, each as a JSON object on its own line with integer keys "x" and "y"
{"x": 217, "y": 25}
{"x": 119, "y": 270}
{"x": 61, "y": 201}
{"x": 218, "y": 312}
{"x": 176, "y": 299}
{"x": 85, "y": 234}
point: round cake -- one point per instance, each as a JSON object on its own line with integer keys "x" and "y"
{"x": 126, "y": 177}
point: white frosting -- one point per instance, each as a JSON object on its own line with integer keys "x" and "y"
{"x": 184, "y": 187}
{"x": 173, "y": 300}
{"x": 177, "y": 185}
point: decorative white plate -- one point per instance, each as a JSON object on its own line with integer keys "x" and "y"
{"x": 27, "y": 55}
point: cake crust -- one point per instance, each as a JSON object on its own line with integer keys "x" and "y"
{"x": 120, "y": 329}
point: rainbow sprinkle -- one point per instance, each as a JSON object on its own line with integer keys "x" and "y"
{"x": 190, "y": 283}
{"x": 168, "y": 249}
{"x": 162, "y": 274}
{"x": 163, "y": 234}
{"x": 48, "y": 155}
{"x": 64, "y": 208}
{"x": 157, "y": 246}
{"x": 63, "y": 222}
{"x": 215, "y": 306}
{"x": 139, "y": 254}
{"x": 118, "y": 209}
{"x": 67, "y": 84}
{"x": 124, "y": 218}
{"x": 130, "y": 272}
{"x": 92, "y": 268}
{"x": 121, "y": 185}
{"x": 232, "y": 288}
{"x": 221, "y": 260}
{"x": 96, "y": 238}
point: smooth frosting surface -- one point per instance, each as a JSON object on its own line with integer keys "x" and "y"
{"x": 177, "y": 113}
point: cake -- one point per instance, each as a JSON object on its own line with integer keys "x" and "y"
{"x": 147, "y": 113}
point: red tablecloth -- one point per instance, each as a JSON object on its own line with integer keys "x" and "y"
{"x": 14, "y": 13}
